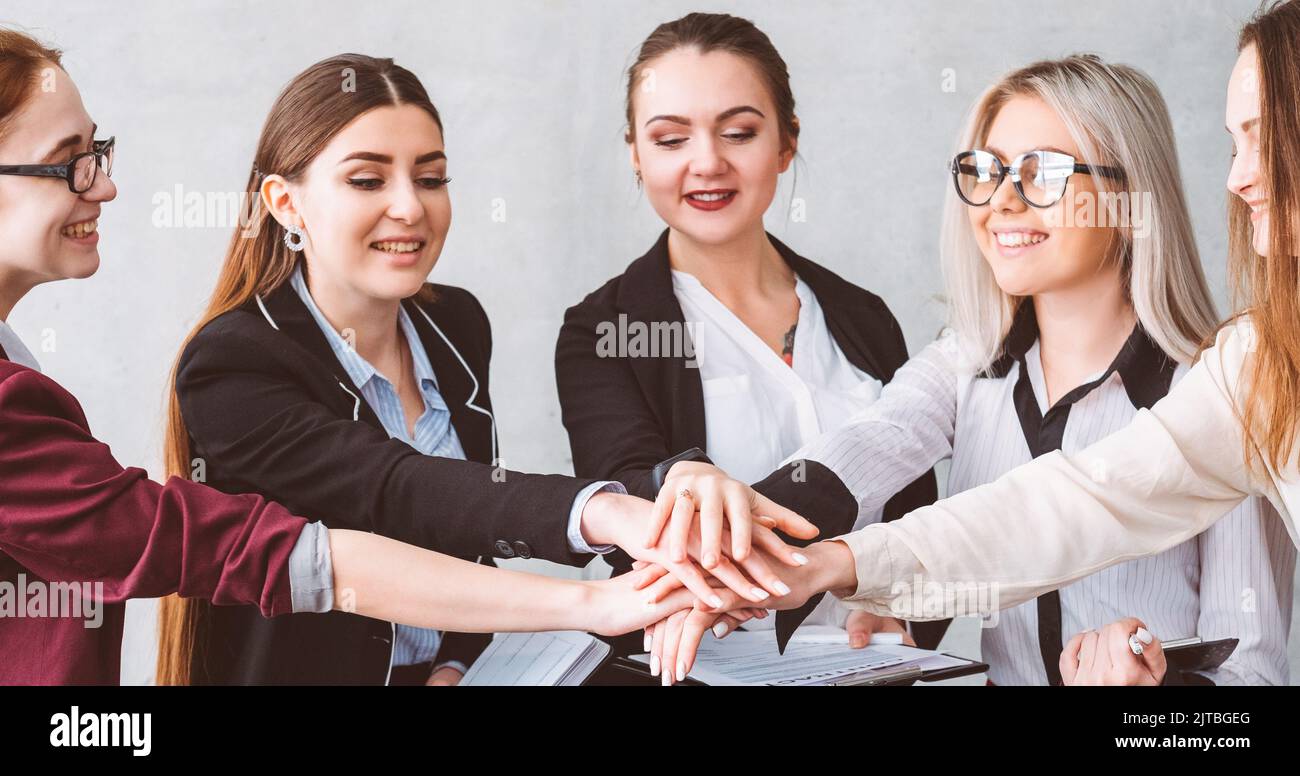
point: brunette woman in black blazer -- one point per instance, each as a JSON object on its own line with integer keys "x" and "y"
{"x": 711, "y": 176}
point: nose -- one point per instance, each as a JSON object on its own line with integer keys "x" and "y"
{"x": 1005, "y": 199}
{"x": 102, "y": 190}
{"x": 405, "y": 204}
{"x": 707, "y": 161}
{"x": 1243, "y": 177}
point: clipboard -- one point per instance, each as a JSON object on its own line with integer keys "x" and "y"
{"x": 624, "y": 672}
{"x": 1192, "y": 654}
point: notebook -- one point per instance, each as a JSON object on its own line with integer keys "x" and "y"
{"x": 555, "y": 659}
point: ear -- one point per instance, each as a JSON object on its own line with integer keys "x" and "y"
{"x": 278, "y": 201}
{"x": 787, "y": 155}
{"x": 634, "y": 156}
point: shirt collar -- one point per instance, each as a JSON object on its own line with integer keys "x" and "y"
{"x": 15, "y": 349}
{"x": 1145, "y": 370}
{"x": 359, "y": 369}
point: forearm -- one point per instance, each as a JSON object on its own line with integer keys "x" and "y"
{"x": 385, "y": 579}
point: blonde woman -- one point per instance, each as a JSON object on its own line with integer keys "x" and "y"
{"x": 1076, "y": 302}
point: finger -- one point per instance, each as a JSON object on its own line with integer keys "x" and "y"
{"x": 1088, "y": 656}
{"x": 659, "y": 513}
{"x": 725, "y": 624}
{"x": 647, "y": 640}
{"x": 692, "y": 577}
{"x": 679, "y": 526}
{"x": 1069, "y": 662}
{"x": 769, "y": 542}
{"x": 787, "y": 520}
{"x": 637, "y": 565}
{"x": 1123, "y": 667}
{"x": 859, "y": 625}
{"x": 727, "y": 573}
{"x": 759, "y": 570}
{"x": 711, "y": 518}
{"x": 740, "y": 519}
{"x": 661, "y": 587}
{"x": 641, "y": 578}
{"x": 693, "y": 630}
{"x": 1153, "y": 654}
{"x": 656, "y": 648}
{"x": 672, "y": 636}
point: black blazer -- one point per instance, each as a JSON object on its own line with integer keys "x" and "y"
{"x": 624, "y": 415}
{"x": 270, "y": 410}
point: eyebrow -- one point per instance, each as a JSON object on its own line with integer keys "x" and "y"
{"x": 370, "y": 156}
{"x": 723, "y": 116}
{"x": 71, "y": 141}
{"x": 1246, "y": 125}
{"x": 996, "y": 152}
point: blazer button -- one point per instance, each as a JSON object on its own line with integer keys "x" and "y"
{"x": 504, "y": 549}
{"x": 523, "y": 550}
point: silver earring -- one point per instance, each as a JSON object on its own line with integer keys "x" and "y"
{"x": 294, "y": 238}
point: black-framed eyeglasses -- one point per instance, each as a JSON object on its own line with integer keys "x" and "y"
{"x": 79, "y": 171}
{"x": 1039, "y": 177}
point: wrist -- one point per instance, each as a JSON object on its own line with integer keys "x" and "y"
{"x": 595, "y": 523}
{"x": 833, "y": 567}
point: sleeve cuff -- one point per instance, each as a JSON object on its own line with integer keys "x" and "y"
{"x": 576, "y": 541}
{"x": 874, "y": 566}
{"x": 456, "y": 664}
{"x": 311, "y": 570}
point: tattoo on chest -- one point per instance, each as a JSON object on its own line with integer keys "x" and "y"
{"x": 787, "y": 346}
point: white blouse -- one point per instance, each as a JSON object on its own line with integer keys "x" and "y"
{"x": 757, "y": 409}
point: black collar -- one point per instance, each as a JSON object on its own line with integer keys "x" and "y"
{"x": 1145, "y": 370}
{"x": 646, "y": 293}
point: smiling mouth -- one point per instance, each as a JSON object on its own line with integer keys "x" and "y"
{"x": 1019, "y": 239}
{"x": 394, "y": 246}
{"x": 83, "y": 229}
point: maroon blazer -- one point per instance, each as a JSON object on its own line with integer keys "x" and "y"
{"x": 69, "y": 513}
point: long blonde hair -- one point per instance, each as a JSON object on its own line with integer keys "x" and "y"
{"x": 1116, "y": 116}
{"x": 1268, "y": 287}
{"x": 309, "y": 112}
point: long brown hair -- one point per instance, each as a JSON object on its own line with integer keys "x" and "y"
{"x": 314, "y": 107}
{"x": 1268, "y": 287}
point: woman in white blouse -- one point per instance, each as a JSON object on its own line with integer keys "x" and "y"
{"x": 1225, "y": 433}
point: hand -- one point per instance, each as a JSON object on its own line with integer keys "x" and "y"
{"x": 673, "y": 641}
{"x": 634, "y": 600}
{"x": 447, "y": 676}
{"x": 676, "y": 638}
{"x": 861, "y": 624}
{"x": 1104, "y": 657}
{"x": 611, "y": 518}
{"x": 693, "y": 486}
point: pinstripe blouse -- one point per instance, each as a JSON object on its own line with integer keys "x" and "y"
{"x": 1233, "y": 580}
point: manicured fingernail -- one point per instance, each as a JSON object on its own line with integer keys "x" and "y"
{"x": 681, "y": 670}
{"x": 646, "y": 642}
{"x": 715, "y": 602}
{"x": 758, "y": 593}
{"x": 858, "y": 641}
{"x": 666, "y": 679}
{"x": 802, "y": 560}
{"x": 1144, "y": 635}
{"x": 654, "y": 665}
{"x": 719, "y": 630}
{"x": 782, "y": 587}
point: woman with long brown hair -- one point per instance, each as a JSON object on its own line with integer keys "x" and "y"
{"x": 327, "y": 374}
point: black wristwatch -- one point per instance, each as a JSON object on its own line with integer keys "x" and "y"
{"x": 660, "y": 472}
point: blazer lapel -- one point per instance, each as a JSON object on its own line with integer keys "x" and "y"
{"x": 646, "y": 295}
{"x": 296, "y": 322}
{"x": 457, "y": 386}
